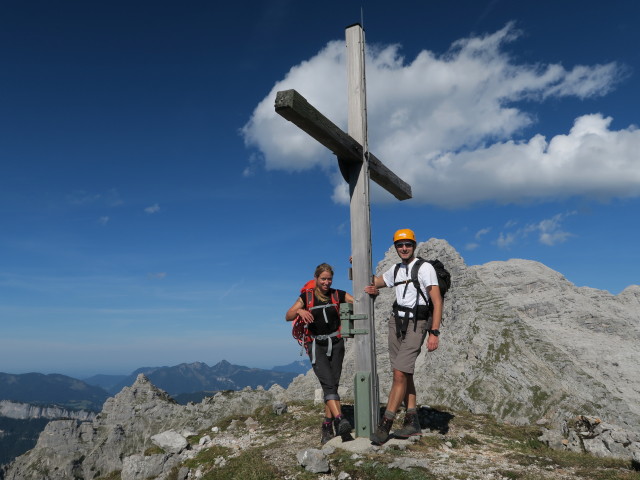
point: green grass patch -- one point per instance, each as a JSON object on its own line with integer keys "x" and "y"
{"x": 427, "y": 443}
{"x": 510, "y": 474}
{"x": 585, "y": 465}
{"x": 307, "y": 415}
{"x": 153, "y": 450}
{"x": 469, "y": 440}
{"x": 250, "y": 465}
{"x": 371, "y": 468}
{"x": 207, "y": 456}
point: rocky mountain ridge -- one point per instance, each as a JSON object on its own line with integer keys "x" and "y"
{"x": 90, "y": 449}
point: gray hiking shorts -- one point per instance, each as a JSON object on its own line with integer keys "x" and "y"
{"x": 403, "y": 351}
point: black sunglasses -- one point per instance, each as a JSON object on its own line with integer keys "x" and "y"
{"x": 404, "y": 244}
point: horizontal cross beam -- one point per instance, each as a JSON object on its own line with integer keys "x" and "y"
{"x": 295, "y": 108}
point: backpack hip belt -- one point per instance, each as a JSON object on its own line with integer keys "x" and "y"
{"x": 322, "y": 337}
{"x": 419, "y": 312}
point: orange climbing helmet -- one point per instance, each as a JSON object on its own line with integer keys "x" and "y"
{"x": 404, "y": 234}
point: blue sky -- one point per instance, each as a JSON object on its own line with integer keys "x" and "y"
{"x": 155, "y": 210}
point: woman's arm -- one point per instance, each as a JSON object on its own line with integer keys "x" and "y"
{"x": 298, "y": 309}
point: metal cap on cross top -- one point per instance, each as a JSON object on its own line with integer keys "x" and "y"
{"x": 356, "y": 164}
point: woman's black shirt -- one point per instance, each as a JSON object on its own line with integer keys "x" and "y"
{"x": 319, "y": 325}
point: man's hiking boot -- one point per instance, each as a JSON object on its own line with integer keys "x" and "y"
{"x": 381, "y": 435}
{"x": 343, "y": 428}
{"x": 410, "y": 426}
{"x": 327, "y": 432}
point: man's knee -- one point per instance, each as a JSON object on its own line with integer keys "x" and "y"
{"x": 400, "y": 376}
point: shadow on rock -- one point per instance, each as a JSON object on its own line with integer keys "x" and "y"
{"x": 435, "y": 419}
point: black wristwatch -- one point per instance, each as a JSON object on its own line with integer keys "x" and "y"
{"x": 434, "y": 332}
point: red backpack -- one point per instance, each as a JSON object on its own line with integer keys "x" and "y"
{"x": 299, "y": 329}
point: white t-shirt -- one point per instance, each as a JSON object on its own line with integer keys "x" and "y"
{"x": 406, "y": 297}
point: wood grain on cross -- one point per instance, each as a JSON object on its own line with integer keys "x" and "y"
{"x": 357, "y": 165}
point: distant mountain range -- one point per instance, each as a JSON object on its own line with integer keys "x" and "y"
{"x": 52, "y": 389}
{"x": 188, "y": 378}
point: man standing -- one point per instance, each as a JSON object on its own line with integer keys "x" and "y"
{"x": 410, "y": 323}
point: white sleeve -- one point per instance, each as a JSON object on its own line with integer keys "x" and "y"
{"x": 388, "y": 277}
{"x": 427, "y": 276}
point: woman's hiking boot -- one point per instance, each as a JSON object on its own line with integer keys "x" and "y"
{"x": 410, "y": 426}
{"x": 327, "y": 432}
{"x": 381, "y": 435}
{"x": 343, "y": 428}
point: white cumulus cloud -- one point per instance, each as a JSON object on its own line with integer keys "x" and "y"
{"x": 448, "y": 125}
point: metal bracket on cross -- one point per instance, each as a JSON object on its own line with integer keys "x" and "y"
{"x": 346, "y": 320}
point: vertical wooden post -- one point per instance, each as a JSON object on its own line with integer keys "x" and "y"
{"x": 365, "y": 362}
{"x": 357, "y": 164}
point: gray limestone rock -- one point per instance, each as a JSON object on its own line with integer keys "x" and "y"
{"x": 313, "y": 460}
{"x": 591, "y": 435}
{"x": 279, "y": 408}
{"x": 170, "y": 441}
{"x": 140, "y": 467}
{"x": 407, "y": 463}
{"x": 553, "y": 439}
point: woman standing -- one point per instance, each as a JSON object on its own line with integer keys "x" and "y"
{"x": 320, "y": 310}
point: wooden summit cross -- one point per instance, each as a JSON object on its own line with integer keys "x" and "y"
{"x": 356, "y": 164}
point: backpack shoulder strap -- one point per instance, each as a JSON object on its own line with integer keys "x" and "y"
{"x": 309, "y": 294}
{"x": 415, "y": 268}
{"x": 395, "y": 271}
{"x": 310, "y": 297}
{"x": 414, "y": 278}
{"x": 335, "y": 297}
